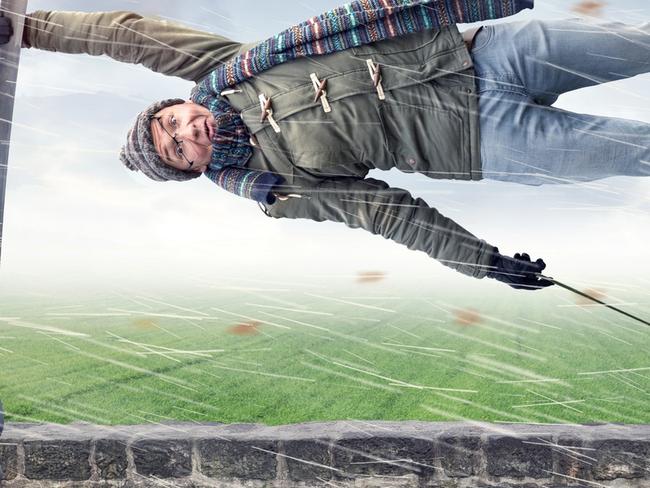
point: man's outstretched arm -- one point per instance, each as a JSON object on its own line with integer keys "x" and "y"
{"x": 164, "y": 47}
{"x": 393, "y": 213}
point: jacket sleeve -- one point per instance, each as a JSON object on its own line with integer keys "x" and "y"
{"x": 372, "y": 205}
{"x": 164, "y": 47}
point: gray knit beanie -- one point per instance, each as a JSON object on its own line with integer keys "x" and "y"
{"x": 139, "y": 153}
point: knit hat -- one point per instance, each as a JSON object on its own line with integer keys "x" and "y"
{"x": 139, "y": 153}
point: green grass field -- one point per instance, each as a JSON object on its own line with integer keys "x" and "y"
{"x": 357, "y": 354}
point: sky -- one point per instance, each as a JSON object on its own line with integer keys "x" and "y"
{"x": 75, "y": 217}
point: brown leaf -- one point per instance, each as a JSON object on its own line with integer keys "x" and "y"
{"x": 467, "y": 317}
{"x": 244, "y": 329}
{"x": 370, "y": 276}
{"x": 145, "y": 324}
{"x": 598, "y": 293}
{"x": 589, "y": 7}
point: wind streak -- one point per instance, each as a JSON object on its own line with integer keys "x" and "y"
{"x": 495, "y": 346}
{"x": 45, "y": 328}
{"x": 164, "y": 315}
{"x": 174, "y": 306}
{"x": 363, "y": 341}
{"x": 350, "y": 377}
{"x": 247, "y": 317}
{"x": 395, "y": 381}
{"x": 351, "y": 303}
{"x": 160, "y": 376}
{"x": 420, "y": 347}
{"x": 288, "y": 309}
{"x": 265, "y": 374}
{"x": 298, "y": 459}
{"x": 556, "y": 402}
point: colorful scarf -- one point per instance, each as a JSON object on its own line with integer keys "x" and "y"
{"x": 354, "y": 24}
{"x": 231, "y": 151}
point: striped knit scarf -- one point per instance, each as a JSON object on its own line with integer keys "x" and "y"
{"x": 231, "y": 151}
{"x": 354, "y": 24}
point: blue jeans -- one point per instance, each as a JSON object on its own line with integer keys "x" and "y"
{"x": 522, "y": 68}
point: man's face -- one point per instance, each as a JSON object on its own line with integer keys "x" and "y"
{"x": 194, "y": 126}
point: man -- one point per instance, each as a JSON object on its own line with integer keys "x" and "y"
{"x": 420, "y": 102}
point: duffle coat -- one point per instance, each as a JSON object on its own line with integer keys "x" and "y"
{"x": 408, "y": 102}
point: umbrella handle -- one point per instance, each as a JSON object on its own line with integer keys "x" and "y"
{"x": 593, "y": 299}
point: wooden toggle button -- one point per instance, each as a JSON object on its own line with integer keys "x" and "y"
{"x": 319, "y": 87}
{"x": 375, "y": 74}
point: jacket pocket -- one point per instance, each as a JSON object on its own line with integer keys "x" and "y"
{"x": 424, "y": 139}
{"x": 410, "y": 48}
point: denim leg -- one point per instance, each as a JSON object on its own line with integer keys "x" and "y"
{"x": 532, "y": 144}
{"x": 551, "y": 57}
{"x": 521, "y": 68}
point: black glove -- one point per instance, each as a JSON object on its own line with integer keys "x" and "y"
{"x": 6, "y": 30}
{"x": 519, "y": 273}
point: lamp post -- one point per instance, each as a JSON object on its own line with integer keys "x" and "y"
{"x": 9, "y": 57}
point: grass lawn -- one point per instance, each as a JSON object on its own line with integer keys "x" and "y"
{"x": 295, "y": 355}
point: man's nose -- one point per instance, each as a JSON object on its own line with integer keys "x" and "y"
{"x": 189, "y": 131}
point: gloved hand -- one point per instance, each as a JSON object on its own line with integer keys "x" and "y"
{"x": 6, "y": 30}
{"x": 519, "y": 273}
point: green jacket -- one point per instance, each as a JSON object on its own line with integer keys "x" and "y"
{"x": 427, "y": 122}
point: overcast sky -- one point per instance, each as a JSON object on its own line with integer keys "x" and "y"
{"x": 75, "y": 215}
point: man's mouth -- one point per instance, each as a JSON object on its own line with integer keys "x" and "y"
{"x": 209, "y": 128}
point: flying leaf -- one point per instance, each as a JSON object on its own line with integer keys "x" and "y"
{"x": 598, "y": 293}
{"x": 467, "y": 317}
{"x": 370, "y": 276}
{"x": 589, "y": 7}
{"x": 244, "y": 329}
{"x": 145, "y": 324}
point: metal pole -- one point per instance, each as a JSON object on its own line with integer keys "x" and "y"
{"x": 2, "y": 424}
{"x": 567, "y": 287}
{"x": 9, "y": 56}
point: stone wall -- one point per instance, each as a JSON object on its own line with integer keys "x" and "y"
{"x": 336, "y": 454}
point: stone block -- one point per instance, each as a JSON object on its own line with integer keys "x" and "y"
{"x": 8, "y": 461}
{"x": 620, "y": 458}
{"x": 430, "y": 483}
{"x": 409, "y": 481}
{"x": 571, "y": 484}
{"x": 57, "y": 460}
{"x": 306, "y": 459}
{"x": 162, "y": 458}
{"x": 110, "y": 459}
{"x": 243, "y": 459}
{"x": 519, "y": 457}
{"x": 484, "y": 484}
{"x": 460, "y": 456}
{"x": 393, "y": 456}
{"x": 573, "y": 460}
